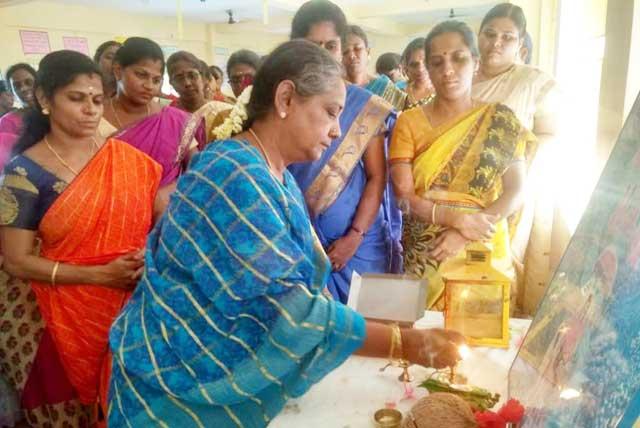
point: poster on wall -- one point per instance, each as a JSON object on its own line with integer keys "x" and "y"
{"x": 35, "y": 42}
{"x": 78, "y": 44}
{"x": 579, "y": 365}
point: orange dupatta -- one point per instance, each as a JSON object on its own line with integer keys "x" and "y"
{"x": 104, "y": 213}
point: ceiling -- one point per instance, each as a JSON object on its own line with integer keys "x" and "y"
{"x": 405, "y": 17}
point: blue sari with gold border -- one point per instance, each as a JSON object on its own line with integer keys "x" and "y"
{"x": 383, "y": 87}
{"x": 333, "y": 186}
{"x": 229, "y": 319}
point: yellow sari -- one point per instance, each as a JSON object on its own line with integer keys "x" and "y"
{"x": 458, "y": 164}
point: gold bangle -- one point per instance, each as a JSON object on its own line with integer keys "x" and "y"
{"x": 433, "y": 213}
{"x": 54, "y": 271}
{"x": 396, "y": 343}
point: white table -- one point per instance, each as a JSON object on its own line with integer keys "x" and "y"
{"x": 348, "y": 396}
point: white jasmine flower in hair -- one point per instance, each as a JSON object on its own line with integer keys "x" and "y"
{"x": 233, "y": 123}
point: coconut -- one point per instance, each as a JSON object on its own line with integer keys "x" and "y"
{"x": 440, "y": 410}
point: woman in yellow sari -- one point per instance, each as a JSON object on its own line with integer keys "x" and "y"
{"x": 457, "y": 165}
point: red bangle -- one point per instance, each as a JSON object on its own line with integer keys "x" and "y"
{"x": 358, "y": 231}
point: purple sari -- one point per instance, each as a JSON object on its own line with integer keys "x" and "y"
{"x": 159, "y": 136}
{"x": 333, "y": 186}
{"x": 10, "y": 129}
{"x": 7, "y": 141}
{"x": 11, "y": 123}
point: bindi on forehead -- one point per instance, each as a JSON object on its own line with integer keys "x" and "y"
{"x": 90, "y": 91}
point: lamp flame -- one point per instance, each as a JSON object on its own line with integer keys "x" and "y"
{"x": 464, "y": 351}
{"x": 570, "y": 394}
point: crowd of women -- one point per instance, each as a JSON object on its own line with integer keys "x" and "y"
{"x": 185, "y": 261}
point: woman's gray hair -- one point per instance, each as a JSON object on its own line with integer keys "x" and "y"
{"x": 312, "y": 70}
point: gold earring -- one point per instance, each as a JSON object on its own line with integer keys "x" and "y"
{"x": 45, "y": 111}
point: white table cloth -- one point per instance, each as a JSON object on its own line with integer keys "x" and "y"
{"x": 349, "y": 395}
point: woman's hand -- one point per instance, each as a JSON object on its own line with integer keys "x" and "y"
{"x": 447, "y": 245}
{"x": 437, "y": 348}
{"x": 162, "y": 200}
{"x": 341, "y": 251}
{"x": 122, "y": 273}
{"x": 475, "y": 226}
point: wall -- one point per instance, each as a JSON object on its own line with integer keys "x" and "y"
{"x": 633, "y": 75}
{"x": 254, "y": 37}
{"x": 620, "y": 61}
{"x": 96, "y": 24}
{"x": 213, "y": 43}
{"x": 236, "y": 38}
{"x": 542, "y": 26}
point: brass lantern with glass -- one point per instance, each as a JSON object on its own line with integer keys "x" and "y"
{"x": 477, "y": 298}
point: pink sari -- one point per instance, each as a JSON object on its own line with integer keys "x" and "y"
{"x": 159, "y": 136}
{"x": 10, "y": 128}
{"x": 11, "y": 123}
{"x": 7, "y": 141}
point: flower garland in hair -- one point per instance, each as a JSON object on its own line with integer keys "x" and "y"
{"x": 233, "y": 123}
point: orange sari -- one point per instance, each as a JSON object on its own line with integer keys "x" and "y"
{"x": 104, "y": 213}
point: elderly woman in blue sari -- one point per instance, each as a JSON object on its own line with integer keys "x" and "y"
{"x": 347, "y": 191}
{"x": 231, "y": 319}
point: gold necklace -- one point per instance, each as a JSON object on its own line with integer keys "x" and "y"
{"x": 62, "y": 161}
{"x": 262, "y": 149}
{"x": 115, "y": 113}
{"x": 411, "y": 92}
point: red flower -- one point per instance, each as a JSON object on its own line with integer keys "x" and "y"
{"x": 489, "y": 419}
{"x": 513, "y": 411}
